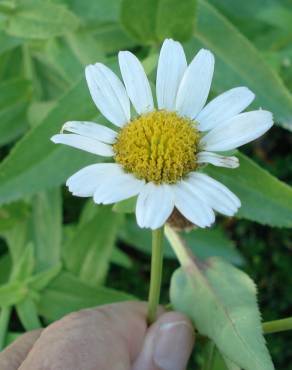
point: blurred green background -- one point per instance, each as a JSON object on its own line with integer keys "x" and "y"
{"x": 59, "y": 253}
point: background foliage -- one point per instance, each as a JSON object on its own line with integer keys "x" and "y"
{"x": 59, "y": 254}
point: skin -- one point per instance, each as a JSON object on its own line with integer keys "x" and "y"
{"x": 112, "y": 337}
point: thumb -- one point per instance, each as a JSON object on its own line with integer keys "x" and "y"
{"x": 167, "y": 345}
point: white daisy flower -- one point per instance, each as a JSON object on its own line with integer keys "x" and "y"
{"x": 158, "y": 153}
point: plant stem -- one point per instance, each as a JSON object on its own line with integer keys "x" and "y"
{"x": 277, "y": 325}
{"x": 177, "y": 246}
{"x": 209, "y": 355}
{"x": 4, "y": 322}
{"x": 156, "y": 273}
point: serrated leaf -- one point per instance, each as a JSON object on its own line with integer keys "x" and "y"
{"x": 240, "y": 63}
{"x": 218, "y": 362}
{"x": 221, "y": 301}
{"x": 35, "y": 154}
{"x": 152, "y": 21}
{"x": 67, "y": 293}
{"x": 264, "y": 198}
{"x": 37, "y": 19}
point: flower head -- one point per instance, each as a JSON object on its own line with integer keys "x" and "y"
{"x": 158, "y": 153}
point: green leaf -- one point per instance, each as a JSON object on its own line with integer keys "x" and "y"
{"x": 175, "y": 19}
{"x": 5, "y": 268}
{"x": 47, "y": 228}
{"x": 11, "y": 65}
{"x": 7, "y": 42}
{"x": 204, "y": 243}
{"x": 154, "y": 20}
{"x": 138, "y": 18}
{"x": 214, "y": 360}
{"x": 16, "y": 239}
{"x": 120, "y": 258}
{"x": 24, "y": 266}
{"x": 87, "y": 254}
{"x": 27, "y": 313}
{"x": 12, "y": 293}
{"x": 277, "y": 15}
{"x": 95, "y": 12}
{"x": 37, "y": 111}
{"x": 38, "y": 19}
{"x": 264, "y": 198}
{"x": 125, "y": 206}
{"x": 230, "y": 365}
{"x": 85, "y": 47}
{"x": 238, "y": 62}
{"x": 14, "y": 97}
{"x": 11, "y": 337}
{"x": 35, "y": 154}
{"x": 68, "y": 293}
{"x": 60, "y": 58}
{"x": 13, "y": 213}
{"x": 39, "y": 281}
{"x": 221, "y": 301}
{"x": 7, "y": 6}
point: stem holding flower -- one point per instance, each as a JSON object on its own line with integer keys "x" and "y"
{"x": 156, "y": 274}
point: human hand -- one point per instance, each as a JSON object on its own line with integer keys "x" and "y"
{"x": 110, "y": 337}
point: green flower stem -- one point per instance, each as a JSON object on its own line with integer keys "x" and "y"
{"x": 156, "y": 273}
{"x": 277, "y": 325}
{"x": 4, "y": 322}
{"x": 209, "y": 356}
{"x": 177, "y": 246}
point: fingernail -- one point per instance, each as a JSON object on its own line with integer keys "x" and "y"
{"x": 173, "y": 346}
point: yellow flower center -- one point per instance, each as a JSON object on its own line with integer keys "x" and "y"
{"x": 159, "y": 146}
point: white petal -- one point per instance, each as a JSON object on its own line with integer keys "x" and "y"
{"x": 218, "y": 196}
{"x": 171, "y": 67}
{"x": 154, "y": 205}
{"x": 91, "y": 130}
{"x": 84, "y": 143}
{"x": 238, "y": 131}
{"x": 136, "y": 82}
{"x": 191, "y": 206}
{"x": 118, "y": 187}
{"x": 84, "y": 182}
{"x": 217, "y": 160}
{"x": 195, "y": 85}
{"x": 108, "y": 93}
{"x": 224, "y": 107}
